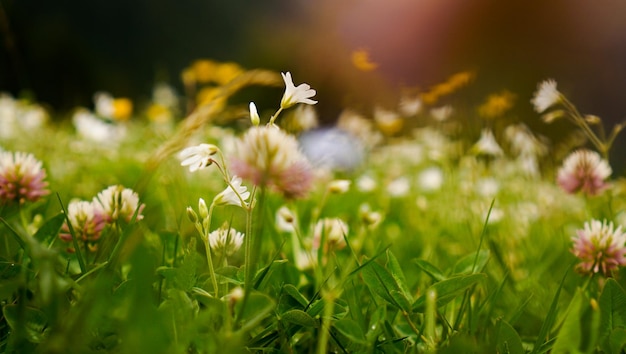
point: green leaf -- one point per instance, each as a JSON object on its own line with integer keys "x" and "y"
{"x": 299, "y": 317}
{"x": 430, "y": 269}
{"x": 48, "y": 231}
{"x": 351, "y": 330}
{"x": 580, "y": 327}
{"x": 612, "y": 306}
{"x": 381, "y": 282}
{"x": 447, "y": 290}
{"x": 398, "y": 276}
{"x": 507, "y": 339}
{"x": 29, "y": 320}
{"x": 294, "y": 293}
{"x": 472, "y": 263}
{"x": 617, "y": 341}
{"x": 257, "y": 308}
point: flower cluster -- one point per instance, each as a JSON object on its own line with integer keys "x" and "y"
{"x": 88, "y": 219}
{"x": 585, "y": 171}
{"x": 600, "y": 247}
{"x": 269, "y": 157}
{"x": 22, "y": 178}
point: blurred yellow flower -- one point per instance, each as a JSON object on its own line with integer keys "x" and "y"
{"x": 203, "y": 70}
{"x": 226, "y": 72}
{"x": 122, "y": 109}
{"x": 453, "y": 83}
{"x": 361, "y": 60}
{"x": 497, "y": 104}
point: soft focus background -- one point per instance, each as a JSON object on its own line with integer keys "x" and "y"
{"x": 61, "y": 52}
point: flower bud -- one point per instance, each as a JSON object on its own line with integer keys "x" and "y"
{"x": 254, "y": 115}
{"x": 202, "y": 208}
{"x": 191, "y": 214}
{"x": 339, "y": 186}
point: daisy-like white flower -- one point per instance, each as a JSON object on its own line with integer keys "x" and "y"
{"x": 487, "y": 144}
{"x": 285, "y": 220}
{"x": 225, "y": 240}
{"x": 197, "y": 157}
{"x": 293, "y": 95}
{"x": 546, "y": 96}
{"x": 87, "y": 220}
{"x": 118, "y": 203}
{"x": 267, "y": 156}
{"x": 334, "y": 230}
{"x": 234, "y": 194}
{"x": 584, "y": 170}
{"x": 22, "y": 178}
{"x": 600, "y": 247}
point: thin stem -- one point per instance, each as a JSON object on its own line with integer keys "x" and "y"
{"x": 273, "y": 118}
{"x": 207, "y": 247}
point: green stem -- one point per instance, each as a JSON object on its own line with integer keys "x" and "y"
{"x": 329, "y": 303}
{"x": 207, "y": 247}
{"x": 273, "y": 118}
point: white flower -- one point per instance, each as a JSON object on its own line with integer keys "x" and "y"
{"x": 103, "y": 102}
{"x": 399, "y": 187}
{"x": 431, "y": 179}
{"x": 410, "y": 106}
{"x": 234, "y": 194}
{"x": 118, "y": 202}
{"x": 254, "y": 114}
{"x": 333, "y": 230}
{"x": 487, "y": 187}
{"x": 197, "y": 157}
{"x": 339, "y": 186}
{"x": 442, "y": 113}
{"x": 293, "y": 95}
{"x": 487, "y": 144}
{"x": 584, "y": 170}
{"x": 546, "y": 96}
{"x": 366, "y": 183}
{"x": 285, "y": 220}
{"x": 225, "y": 240}
{"x": 95, "y": 129}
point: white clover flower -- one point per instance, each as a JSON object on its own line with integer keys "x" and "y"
{"x": 225, "y": 240}
{"x": 584, "y": 170}
{"x": 22, "y": 178}
{"x": 87, "y": 220}
{"x": 366, "y": 184}
{"x": 198, "y": 157}
{"x": 118, "y": 203}
{"x": 235, "y": 194}
{"x": 293, "y": 95}
{"x": 339, "y": 186}
{"x": 267, "y": 156}
{"x": 399, "y": 187}
{"x": 487, "y": 144}
{"x": 600, "y": 247}
{"x": 254, "y": 114}
{"x": 333, "y": 230}
{"x": 546, "y": 96}
{"x": 431, "y": 179}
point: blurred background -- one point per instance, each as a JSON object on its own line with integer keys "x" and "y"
{"x": 61, "y": 52}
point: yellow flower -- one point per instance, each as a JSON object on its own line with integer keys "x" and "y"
{"x": 361, "y": 60}
{"x": 497, "y": 104}
{"x": 122, "y": 109}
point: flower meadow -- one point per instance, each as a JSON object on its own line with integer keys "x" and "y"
{"x": 198, "y": 223}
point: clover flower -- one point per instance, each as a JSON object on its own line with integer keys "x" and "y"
{"x": 198, "y": 157}
{"x": 236, "y": 196}
{"x": 293, "y": 95}
{"x": 584, "y": 170}
{"x": 334, "y": 230}
{"x": 225, "y": 240}
{"x": 87, "y": 220}
{"x": 600, "y": 247}
{"x": 22, "y": 178}
{"x": 267, "y": 156}
{"x": 546, "y": 96}
{"x": 118, "y": 203}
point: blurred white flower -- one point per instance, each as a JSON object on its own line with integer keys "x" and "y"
{"x": 546, "y": 96}
{"x": 332, "y": 148}
{"x": 95, "y": 129}
{"x": 285, "y": 220}
{"x": 442, "y": 113}
{"x": 431, "y": 179}
{"x": 487, "y": 144}
{"x": 487, "y": 187}
{"x": 339, "y": 186}
{"x": 366, "y": 183}
{"x": 293, "y": 95}
{"x": 198, "y": 157}
{"x": 410, "y": 105}
{"x": 333, "y": 230}
{"x": 399, "y": 187}
{"x": 584, "y": 170}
